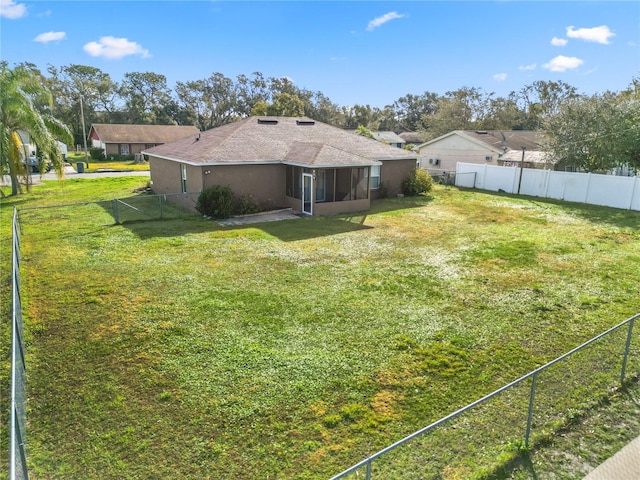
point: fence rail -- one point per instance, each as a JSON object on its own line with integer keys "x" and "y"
{"x": 18, "y": 415}
{"x": 389, "y": 470}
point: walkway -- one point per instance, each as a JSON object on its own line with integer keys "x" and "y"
{"x": 274, "y": 216}
{"x": 624, "y": 465}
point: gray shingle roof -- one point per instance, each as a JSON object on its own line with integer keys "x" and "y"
{"x": 388, "y": 137}
{"x": 122, "y": 133}
{"x": 508, "y": 139}
{"x": 300, "y": 141}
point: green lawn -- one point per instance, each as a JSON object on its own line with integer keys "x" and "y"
{"x": 95, "y": 165}
{"x": 293, "y": 349}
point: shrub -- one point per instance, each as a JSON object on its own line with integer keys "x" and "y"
{"x": 215, "y": 202}
{"x": 96, "y": 154}
{"x": 383, "y": 190}
{"x": 246, "y": 204}
{"x": 418, "y": 181}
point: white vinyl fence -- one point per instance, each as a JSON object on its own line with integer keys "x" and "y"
{"x": 606, "y": 190}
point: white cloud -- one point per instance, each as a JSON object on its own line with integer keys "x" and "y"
{"x": 115, "y": 48}
{"x": 11, "y": 9}
{"x": 528, "y": 67}
{"x": 50, "y": 37}
{"x": 562, "y": 63}
{"x": 599, "y": 34}
{"x": 559, "y": 42}
{"x": 501, "y": 77}
{"x": 387, "y": 17}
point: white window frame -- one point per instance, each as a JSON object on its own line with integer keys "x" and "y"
{"x": 124, "y": 149}
{"x": 375, "y": 174}
{"x": 183, "y": 177}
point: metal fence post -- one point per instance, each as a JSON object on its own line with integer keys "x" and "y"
{"x": 368, "y": 474}
{"x": 114, "y": 203}
{"x": 626, "y": 351}
{"x": 161, "y": 205}
{"x": 530, "y": 415}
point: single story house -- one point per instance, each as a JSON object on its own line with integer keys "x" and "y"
{"x": 122, "y": 139}
{"x": 493, "y": 147}
{"x": 390, "y": 138}
{"x": 412, "y": 138}
{"x": 289, "y": 162}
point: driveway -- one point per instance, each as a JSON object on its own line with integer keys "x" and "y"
{"x": 69, "y": 172}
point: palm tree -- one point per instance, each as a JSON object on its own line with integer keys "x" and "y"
{"x": 25, "y": 103}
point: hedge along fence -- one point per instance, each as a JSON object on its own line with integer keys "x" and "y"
{"x": 595, "y": 189}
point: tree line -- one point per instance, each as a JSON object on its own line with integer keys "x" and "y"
{"x": 593, "y": 133}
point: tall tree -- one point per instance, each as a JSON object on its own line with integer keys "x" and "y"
{"x": 99, "y": 94}
{"x": 541, "y": 100}
{"x": 411, "y": 109}
{"x": 212, "y": 101}
{"x": 321, "y": 108}
{"x": 467, "y": 108}
{"x": 595, "y": 134}
{"x": 21, "y": 91}
{"x": 286, "y": 105}
{"x": 145, "y": 95}
{"x": 251, "y": 91}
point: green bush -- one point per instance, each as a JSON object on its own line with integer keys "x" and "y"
{"x": 96, "y": 154}
{"x": 246, "y": 204}
{"x": 418, "y": 181}
{"x": 215, "y": 202}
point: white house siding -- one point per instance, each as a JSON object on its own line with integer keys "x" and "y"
{"x": 453, "y": 149}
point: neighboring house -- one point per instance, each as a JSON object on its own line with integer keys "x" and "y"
{"x": 493, "y": 147}
{"x": 390, "y": 138}
{"x": 122, "y": 139}
{"x": 412, "y": 138}
{"x": 296, "y": 163}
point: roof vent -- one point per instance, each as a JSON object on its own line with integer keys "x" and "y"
{"x": 305, "y": 122}
{"x": 482, "y": 132}
{"x": 262, "y": 121}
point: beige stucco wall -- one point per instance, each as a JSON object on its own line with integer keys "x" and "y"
{"x": 392, "y": 174}
{"x": 265, "y": 182}
{"x": 333, "y": 208}
{"x": 166, "y": 176}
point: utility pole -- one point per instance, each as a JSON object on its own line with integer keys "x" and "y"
{"x": 84, "y": 134}
{"x": 521, "y": 168}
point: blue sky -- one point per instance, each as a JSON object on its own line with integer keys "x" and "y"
{"x": 355, "y": 52}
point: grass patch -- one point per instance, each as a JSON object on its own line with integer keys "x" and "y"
{"x": 97, "y": 165}
{"x": 295, "y": 349}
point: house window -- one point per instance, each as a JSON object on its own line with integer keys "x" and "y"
{"x": 375, "y": 177}
{"x": 124, "y": 149}
{"x": 183, "y": 177}
{"x": 488, "y": 158}
{"x": 294, "y": 182}
{"x": 321, "y": 185}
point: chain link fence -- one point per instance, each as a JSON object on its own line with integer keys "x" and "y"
{"x": 485, "y": 434}
{"x": 18, "y": 414}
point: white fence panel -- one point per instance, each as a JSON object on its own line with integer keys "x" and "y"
{"x": 534, "y": 182}
{"x": 606, "y": 190}
{"x": 501, "y": 179}
{"x": 611, "y": 191}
